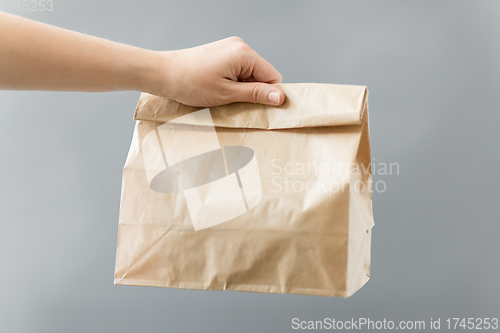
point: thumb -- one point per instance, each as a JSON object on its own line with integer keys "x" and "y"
{"x": 257, "y": 92}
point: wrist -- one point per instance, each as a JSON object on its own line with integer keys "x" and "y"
{"x": 142, "y": 71}
{"x": 155, "y": 74}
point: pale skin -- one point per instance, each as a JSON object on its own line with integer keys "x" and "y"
{"x": 37, "y": 56}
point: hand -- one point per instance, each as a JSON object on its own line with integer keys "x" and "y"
{"x": 218, "y": 73}
{"x": 36, "y": 56}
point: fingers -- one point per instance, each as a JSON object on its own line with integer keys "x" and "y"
{"x": 252, "y": 66}
{"x": 257, "y": 92}
{"x": 257, "y": 75}
{"x": 263, "y": 71}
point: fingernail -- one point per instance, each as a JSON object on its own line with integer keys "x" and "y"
{"x": 274, "y": 97}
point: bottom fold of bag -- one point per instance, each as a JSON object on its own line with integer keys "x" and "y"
{"x": 234, "y": 287}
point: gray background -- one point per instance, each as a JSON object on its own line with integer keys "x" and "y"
{"x": 432, "y": 69}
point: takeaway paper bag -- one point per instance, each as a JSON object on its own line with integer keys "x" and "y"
{"x": 249, "y": 197}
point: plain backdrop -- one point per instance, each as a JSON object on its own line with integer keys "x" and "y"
{"x": 433, "y": 72}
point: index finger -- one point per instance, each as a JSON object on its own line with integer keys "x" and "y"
{"x": 263, "y": 71}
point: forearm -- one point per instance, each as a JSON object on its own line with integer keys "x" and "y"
{"x": 36, "y": 56}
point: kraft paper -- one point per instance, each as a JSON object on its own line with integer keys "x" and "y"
{"x": 250, "y": 197}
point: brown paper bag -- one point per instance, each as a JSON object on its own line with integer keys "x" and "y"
{"x": 250, "y": 197}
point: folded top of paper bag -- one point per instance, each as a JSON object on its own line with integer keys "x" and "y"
{"x": 306, "y": 105}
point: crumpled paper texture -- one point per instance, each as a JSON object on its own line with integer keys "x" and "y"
{"x": 304, "y": 236}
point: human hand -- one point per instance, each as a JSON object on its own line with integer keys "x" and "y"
{"x": 37, "y": 56}
{"x": 218, "y": 73}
